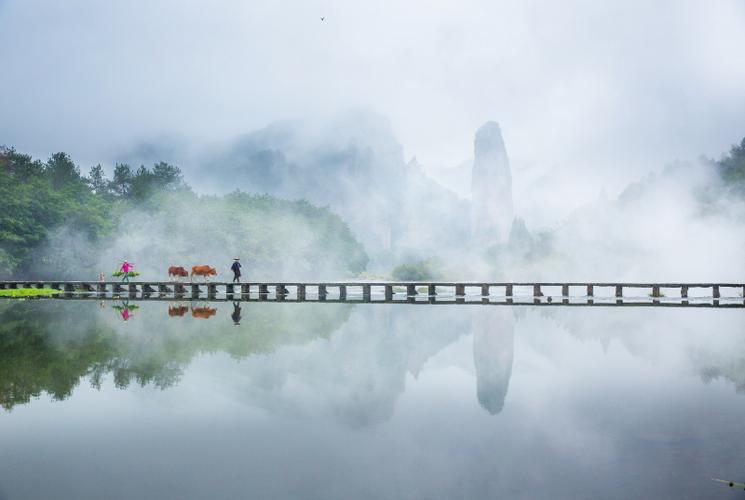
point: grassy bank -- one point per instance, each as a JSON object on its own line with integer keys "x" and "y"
{"x": 28, "y": 292}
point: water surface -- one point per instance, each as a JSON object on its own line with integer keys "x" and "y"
{"x": 312, "y": 400}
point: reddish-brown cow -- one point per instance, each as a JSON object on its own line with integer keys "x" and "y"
{"x": 177, "y": 272}
{"x": 203, "y": 271}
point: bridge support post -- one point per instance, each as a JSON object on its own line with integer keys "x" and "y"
{"x": 301, "y": 292}
{"x": 101, "y": 288}
{"x": 342, "y": 292}
{"x": 484, "y": 290}
{"x": 388, "y": 293}
{"x": 366, "y": 295}
{"x": 508, "y": 291}
{"x": 537, "y": 294}
{"x": 230, "y": 288}
{"x": 322, "y": 293}
{"x": 411, "y": 292}
{"x": 245, "y": 288}
{"x": 460, "y": 289}
{"x": 684, "y": 293}
{"x": 619, "y": 294}
{"x": 655, "y": 293}
{"x": 280, "y": 292}
{"x": 564, "y": 294}
{"x": 715, "y": 291}
{"x": 195, "y": 291}
{"x": 263, "y": 291}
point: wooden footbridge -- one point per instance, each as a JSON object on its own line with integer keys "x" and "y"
{"x": 567, "y": 293}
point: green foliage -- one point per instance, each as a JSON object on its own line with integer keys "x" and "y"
{"x": 731, "y": 167}
{"x": 37, "y": 198}
{"x": 417, "y": 271}
{"x": 119, "y": 274}
{"x": 28, "y": 292}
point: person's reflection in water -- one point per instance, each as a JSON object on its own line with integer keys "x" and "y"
{"x": 493, "y": 350}
{"x": 124, "y": 311}
{"x": 236, "y": 313}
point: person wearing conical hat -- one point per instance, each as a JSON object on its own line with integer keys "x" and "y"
{"x": 236, "y": 268}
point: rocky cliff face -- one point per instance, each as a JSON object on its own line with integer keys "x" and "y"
{"x": 491, "y": 187}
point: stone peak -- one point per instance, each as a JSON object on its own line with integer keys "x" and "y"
{"x": 488, "y": 138}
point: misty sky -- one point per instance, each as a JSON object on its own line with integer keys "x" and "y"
{"x": 611, "y": 89}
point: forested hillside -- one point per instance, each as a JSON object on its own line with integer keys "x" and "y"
{"x": 57, "y": 222}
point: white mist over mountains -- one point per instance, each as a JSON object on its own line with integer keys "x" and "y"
{"x": 590, "y": 98}
{"x": 504, "y": 226}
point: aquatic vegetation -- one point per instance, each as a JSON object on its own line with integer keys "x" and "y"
{"x": 29, "y": 292}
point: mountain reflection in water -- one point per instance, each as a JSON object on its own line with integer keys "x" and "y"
{"x": 413, "y": 402}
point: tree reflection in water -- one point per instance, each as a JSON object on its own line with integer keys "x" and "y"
{"x": 355, "y": 366}
{"x": 50, "y": 346}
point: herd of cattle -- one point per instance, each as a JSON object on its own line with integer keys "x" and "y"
{"x": 179, "y": 272}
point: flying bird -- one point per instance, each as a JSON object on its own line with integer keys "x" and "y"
{"x": 323, "y": 19}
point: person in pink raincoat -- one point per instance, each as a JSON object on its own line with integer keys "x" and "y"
{"x": 126, "y": 267}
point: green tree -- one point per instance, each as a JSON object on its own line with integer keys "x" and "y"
{"x": 98, "y": 182}
{"x": 62, "y": 171}
{"x": 19, "y": 166}
{"x": 731, "y": 167}
{"x": 121, "y": 184}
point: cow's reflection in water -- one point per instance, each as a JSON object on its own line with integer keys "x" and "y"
{"x": 180, "y": 310}
{"x": 204, "y": 312}
{"x": 177, "y": 310}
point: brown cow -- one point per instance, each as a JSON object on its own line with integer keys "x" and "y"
{"x": 177, "y": 310}
{"x": 177, "y": 272}
{"x": 203, "y": 312}
{"x": 203, "y": 271}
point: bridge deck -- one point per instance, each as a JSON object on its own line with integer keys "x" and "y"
{"x": 434, "y": 291}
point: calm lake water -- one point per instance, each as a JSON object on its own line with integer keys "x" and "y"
{"x": 344, "y": 401}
